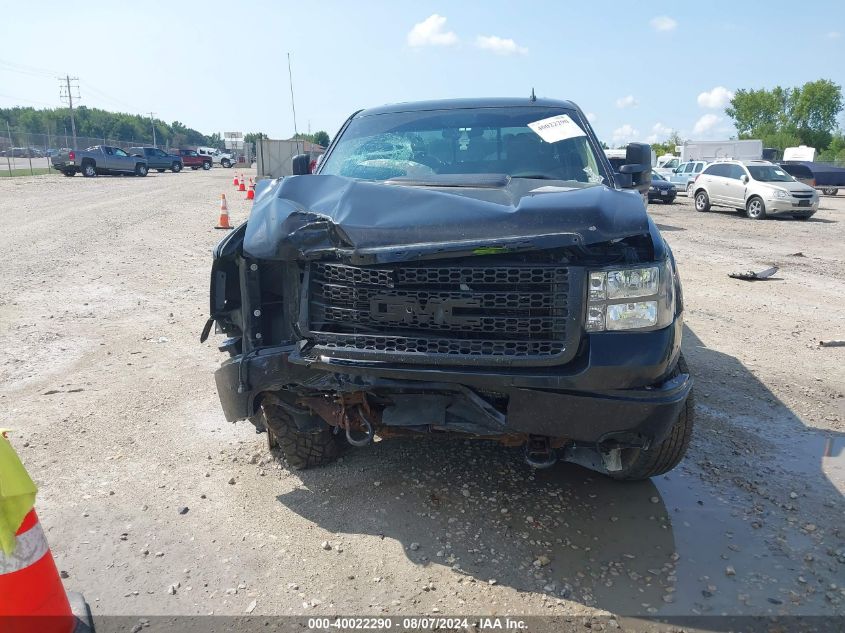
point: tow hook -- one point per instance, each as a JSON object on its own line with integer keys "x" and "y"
{"x": 539, "y": 453}
{"x": 369, "y": 432}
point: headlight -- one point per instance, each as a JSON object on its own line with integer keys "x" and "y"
{"x": 780, "y": 193}
{"x": 609, "y": 306}
{"x": 652, "y": 188}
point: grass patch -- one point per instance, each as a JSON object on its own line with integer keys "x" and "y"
{"x": 36, "y": 171}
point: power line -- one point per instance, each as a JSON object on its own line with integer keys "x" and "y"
{"x": 26, "y": 70}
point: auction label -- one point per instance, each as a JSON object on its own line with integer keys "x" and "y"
{"x": 557, "y": 128}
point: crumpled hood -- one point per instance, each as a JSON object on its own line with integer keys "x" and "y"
{"x": 307, "y": 217}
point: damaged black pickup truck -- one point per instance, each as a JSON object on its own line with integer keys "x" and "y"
{"x": 472, "y": 267}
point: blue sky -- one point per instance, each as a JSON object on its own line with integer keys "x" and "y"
{"x": 640, "y": 69}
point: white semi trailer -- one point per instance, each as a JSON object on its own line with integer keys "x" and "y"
{"x": 711, "y": 150}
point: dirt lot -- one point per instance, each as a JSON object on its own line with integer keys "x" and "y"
{"x": 155, "y": 505}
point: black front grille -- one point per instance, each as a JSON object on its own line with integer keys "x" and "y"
{"x": 441, "y": 313}
{"x": 802, "y": 195}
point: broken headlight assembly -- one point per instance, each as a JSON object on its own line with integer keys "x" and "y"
{"x": 641, "y": 298}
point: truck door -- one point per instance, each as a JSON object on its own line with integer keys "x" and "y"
{"x": 108, "y": 161}
{"x": 122, "y": 160}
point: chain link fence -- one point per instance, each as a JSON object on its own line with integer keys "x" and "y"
{"x": 27, "y": 153}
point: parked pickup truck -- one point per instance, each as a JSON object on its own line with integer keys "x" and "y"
{"x": 191, "y": 158}
{"x": 158, "y": 159}
{"x": 97, "y": 160}
{"x": 471, "y": 268}
{"x": 219, "y": 157}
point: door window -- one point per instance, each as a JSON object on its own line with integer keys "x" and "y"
{"x": 119, "y": 152}
{"x": 736, "y": 171}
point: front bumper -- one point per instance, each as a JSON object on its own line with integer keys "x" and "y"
{"x": 788, "y": 206}
{"x": 617, "y": 384}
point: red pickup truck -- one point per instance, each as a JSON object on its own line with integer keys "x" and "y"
{"x": 191, "y": 159}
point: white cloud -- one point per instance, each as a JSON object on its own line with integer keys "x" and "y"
{"x": 626, "y": 102}
{"x": 663, "y": 23}
{"x": 592, "y": 118}
{"x": 499, "y": 45}
{"x": 834, "y": 35}
{"x": 719, "y": 97}
{"x": 624, "y": 134}
{"x": 430, "y": 32}
{"x": 706, "y": 124}
{"x": 659, "y": 132}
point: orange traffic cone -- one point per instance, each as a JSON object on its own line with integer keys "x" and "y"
{"x": 235, "y": 180}
{"x": 224, "y": 214}
{"x": 250, "y": 193}
{"x": 33, "y": 598}
{"x": 242, "y": 186}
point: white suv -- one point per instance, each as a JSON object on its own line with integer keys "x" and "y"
{"x": 757, "y": 187}
{"x": 218, "y": 157}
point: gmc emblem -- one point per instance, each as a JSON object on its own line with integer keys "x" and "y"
{"x": 408, "y": 310}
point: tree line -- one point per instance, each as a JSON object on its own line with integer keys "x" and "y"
{"x": 97, "y": 123}
{"x": 785, "y": 117}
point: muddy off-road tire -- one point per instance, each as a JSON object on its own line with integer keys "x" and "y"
{"x": 301, "y": 450}
{"x": 663, "y": 457}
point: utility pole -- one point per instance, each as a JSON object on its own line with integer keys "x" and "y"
{"x": 153, "y": 124}
{"x": 292, "y": 104}
{"x": 8, "y": 162}
{"x": 66, "y": 92}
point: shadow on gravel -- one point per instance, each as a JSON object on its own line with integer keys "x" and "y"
{"x": 730, "y": 530}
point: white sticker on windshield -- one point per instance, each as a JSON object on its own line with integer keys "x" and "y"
{"x": 557, "y": 128}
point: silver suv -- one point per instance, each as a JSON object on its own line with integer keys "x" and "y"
{"x": 757, "y": 187}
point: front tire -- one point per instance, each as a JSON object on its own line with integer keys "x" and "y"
{"x": 755, "y": 208}
{"x": 176, "y": 168}
{"x": 206, "y": 165}
{"x": 702, "y": 201}
{"x": 661, "y": 458}
{"x": 301, "y": 450}
{"x": 141, "y": 170}
{"x": 226, "y": 163}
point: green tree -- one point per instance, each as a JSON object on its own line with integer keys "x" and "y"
{"x": 254, "y": 137}
{"x": 322, "y": 138}
{"x": 781, "y": 117}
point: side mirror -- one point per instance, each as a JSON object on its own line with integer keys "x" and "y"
{"x": 301, "y": 164}
{"x": 743, "y": 179}
{"x": 637, "y": 164}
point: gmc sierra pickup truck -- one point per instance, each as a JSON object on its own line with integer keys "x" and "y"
{"x": 469, "y": 267}
{"x": 97, "y": 160}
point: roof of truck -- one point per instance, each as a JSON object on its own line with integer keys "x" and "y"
{"x": 455, "y": 104}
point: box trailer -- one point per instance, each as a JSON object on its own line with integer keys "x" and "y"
{"x": 711, "y": 150}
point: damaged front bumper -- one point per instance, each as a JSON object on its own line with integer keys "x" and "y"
{"x": 602, "y": 394}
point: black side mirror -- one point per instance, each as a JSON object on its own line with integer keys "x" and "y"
{"x": 637, "y": 164}
{"x": 301, "y": 164}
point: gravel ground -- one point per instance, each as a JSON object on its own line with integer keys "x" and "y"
{"x": 155, "y": 505}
